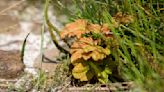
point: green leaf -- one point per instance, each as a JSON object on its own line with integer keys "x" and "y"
{"x": 23, "y": 47}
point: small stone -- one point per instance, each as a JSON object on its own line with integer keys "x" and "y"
{"x": 10, "y": 64}
{"x": 49, "y": 65}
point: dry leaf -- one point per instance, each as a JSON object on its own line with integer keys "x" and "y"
{"x": 76, "y": 28}
{"x": 123, "y": 19}
{"x": 82, "y": 26}
{"x": 86, "y": 49}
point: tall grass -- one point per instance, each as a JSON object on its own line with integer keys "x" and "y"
{"x": 141, "y": 52}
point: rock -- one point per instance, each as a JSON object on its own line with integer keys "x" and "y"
{"x": 10, "y": 64}
{"x": 9, "y": 25}
{"x": 49, "y": 65}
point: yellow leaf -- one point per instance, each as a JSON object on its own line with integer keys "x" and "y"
{"x": 77, "y": 55}
{"x": 81, "y": 71}
{"x": 80, "y": 67}
{"x": 89, "y": 48}
{"x": 85, "y": 76}
{"x": 106, "y": 51}
{"x": 86, "y": 50}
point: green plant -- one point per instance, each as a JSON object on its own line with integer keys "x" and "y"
{"x": 138, "y": 43}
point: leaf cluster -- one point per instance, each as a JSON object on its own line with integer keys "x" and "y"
{"x": 87, "y": 49}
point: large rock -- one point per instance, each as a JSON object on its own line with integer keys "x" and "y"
{"x": 10, "y": 64}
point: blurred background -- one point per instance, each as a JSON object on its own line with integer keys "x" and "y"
{"x": 20, "y": 17}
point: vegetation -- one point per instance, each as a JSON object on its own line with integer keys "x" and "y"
{"x": 115, "y": 41}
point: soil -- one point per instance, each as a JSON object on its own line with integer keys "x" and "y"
{"x": 15, "y": 23}
{"x": 9, "y": 25}
{"x": 10, "y": 64}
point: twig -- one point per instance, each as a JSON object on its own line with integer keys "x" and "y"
{"x": 161, "y": 9}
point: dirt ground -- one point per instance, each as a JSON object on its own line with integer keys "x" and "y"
{"x": 17, "y": 19}
{"x": 8, "y": 22}
{"x": 9, "y": 25}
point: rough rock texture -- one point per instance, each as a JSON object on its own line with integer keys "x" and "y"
{"x": 10, "y": 64}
